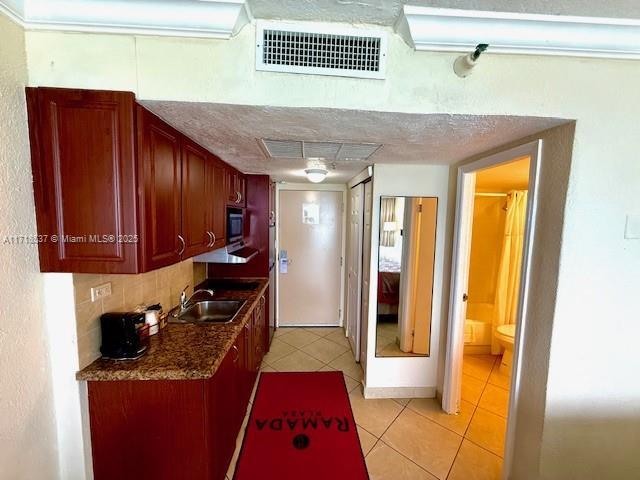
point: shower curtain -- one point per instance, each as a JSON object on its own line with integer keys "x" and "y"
{"x": 508, "y": 285}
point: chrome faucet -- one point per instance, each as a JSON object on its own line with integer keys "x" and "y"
{"x": 184, "y": 301}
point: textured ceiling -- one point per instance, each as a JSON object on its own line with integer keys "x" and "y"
{"x": 385, "y": 12}
{"x": 232, "y": 132}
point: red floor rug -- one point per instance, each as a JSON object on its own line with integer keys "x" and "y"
{"x": 301, "y": 428}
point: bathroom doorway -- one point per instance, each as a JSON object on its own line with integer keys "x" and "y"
{"x": 492, "y": 238}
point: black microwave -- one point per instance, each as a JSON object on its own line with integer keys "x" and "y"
{"x": 235, "y": 225}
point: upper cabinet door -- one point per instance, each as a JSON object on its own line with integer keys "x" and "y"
{"x": 236, "y": 187}
{"x": 241, "y": 184}
{"x": 216, "y": 202}
{"x": 82, "y": 145}
{"x": 195, "y": 210}
{"x": 160, "y": 166}
{"x": 230, "y": 185}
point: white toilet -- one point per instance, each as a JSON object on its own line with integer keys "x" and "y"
{"x": 505, "y": 335}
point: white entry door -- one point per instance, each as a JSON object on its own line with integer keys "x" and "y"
{"x": 354, "y": 266}
{"x": 310, "y": 242}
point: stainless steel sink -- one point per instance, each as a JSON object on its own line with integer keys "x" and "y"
{"x": 208, "y": 311}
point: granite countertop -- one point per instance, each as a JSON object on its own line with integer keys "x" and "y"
{"x": 182, "y": 351}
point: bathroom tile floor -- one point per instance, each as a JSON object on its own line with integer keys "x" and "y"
{"x": 405, "y": 439}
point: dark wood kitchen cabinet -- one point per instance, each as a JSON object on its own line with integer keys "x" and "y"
{"x": 216, "y": 198}
{"x": 118, "y": 190}
{"x": 236, "y": 186}
{"x": 169, "y": 429}
{"x": 259, "y": 332}
{"x": 260, "y": 215}
{"x": 195, "y": 211}
{"x": 83, "y": 158}
{"x": 225, "y": 393}
{"x": 160, "y": 169}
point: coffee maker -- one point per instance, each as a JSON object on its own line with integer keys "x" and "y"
{"x": 122, "y": 335}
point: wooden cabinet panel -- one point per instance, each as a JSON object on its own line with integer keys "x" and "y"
{"x": 195, "y": 212}
{"x": 216, "y": 201}
{"x": 230, "y": 186}
{"x": 241, "y": 185}
{"x": 256, "y": 341}
{"x": 160, "y": 170}
{"x": 260, "y": 331}
{"x": 82, "y": 148}
{"x": 222, "y": 415}
{"x": 236, "y": 187}
{"x": 148, "y": 429}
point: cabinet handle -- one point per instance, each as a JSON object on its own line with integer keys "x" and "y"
{"x": 183, "y": 244}
{"x": 210, "y": 239}
{"x": 213, "y": 242}
{"x": 238, "y": 197}
{"x": 235, "y": 349}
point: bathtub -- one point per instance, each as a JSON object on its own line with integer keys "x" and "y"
{"x": 477, "y": 326}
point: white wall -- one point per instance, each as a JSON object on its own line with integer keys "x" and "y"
{"x": 393, "y": 376}
{"x": 591, "y": 360}
{"x": 27, "y": 433}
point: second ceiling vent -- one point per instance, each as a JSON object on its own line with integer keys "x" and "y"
{"x": 320, "y": 49}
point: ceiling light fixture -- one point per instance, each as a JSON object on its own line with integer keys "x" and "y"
{"x": 316, "y": 174}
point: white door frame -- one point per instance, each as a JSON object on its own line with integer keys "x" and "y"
{"x": 366, "y": 279}
{"x": 355, "y": 323}
{"x": 325, "y": 187}
{"x": 460, "y": 274}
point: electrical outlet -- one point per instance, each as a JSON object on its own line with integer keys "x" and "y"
{"x": 100, "y": 291}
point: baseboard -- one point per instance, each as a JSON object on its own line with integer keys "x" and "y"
{"x": 399, "y": 392}
{"x": 477, "y": 349}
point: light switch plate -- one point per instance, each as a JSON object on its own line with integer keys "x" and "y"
{"x": 632, "y": 228}
{"x": 100, "y": 291}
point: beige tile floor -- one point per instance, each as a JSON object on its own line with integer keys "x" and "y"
{"x": 387, "y": 341}
{"x": 406, "y": 439}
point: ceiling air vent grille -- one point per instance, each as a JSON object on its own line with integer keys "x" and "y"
{"x": 318, "y": 150}
{"x": 326, "y": 50}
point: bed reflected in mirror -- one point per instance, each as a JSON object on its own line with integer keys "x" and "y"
{"x": 406, "y": 256}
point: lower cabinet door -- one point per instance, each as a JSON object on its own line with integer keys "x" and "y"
{"x": 227, "y": 407}
{"x": 241, "y": 388}
{"x": 221, "y": 424}
{"x": 167, "y": 416}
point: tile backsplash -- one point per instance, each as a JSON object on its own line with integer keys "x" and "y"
{"x": 127, "y": 291}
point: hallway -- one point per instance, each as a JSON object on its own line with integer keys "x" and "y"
{"x": 404, "y": 439}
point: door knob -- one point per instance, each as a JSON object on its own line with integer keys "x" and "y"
{"x": 465, "y": 297}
